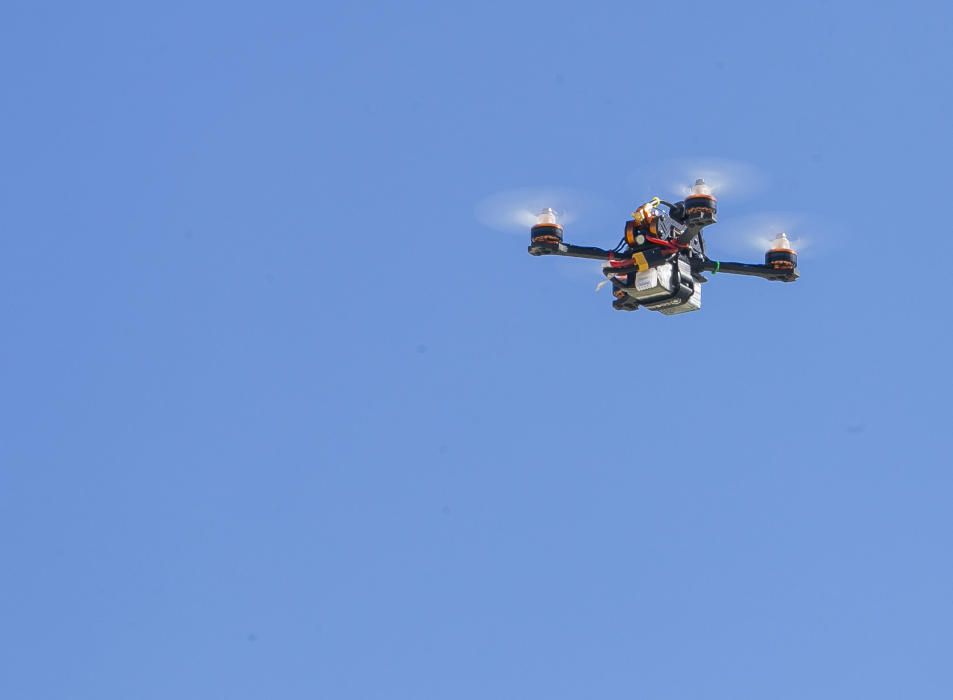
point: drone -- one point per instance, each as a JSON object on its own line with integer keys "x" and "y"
{"x": 659, "y": 261}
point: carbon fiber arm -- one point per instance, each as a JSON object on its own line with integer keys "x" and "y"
{"x": 735, "y": 268}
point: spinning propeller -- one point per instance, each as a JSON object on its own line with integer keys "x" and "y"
{"x": 514, "y": 211}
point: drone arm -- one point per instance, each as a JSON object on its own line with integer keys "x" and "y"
{"x": 572, "y": 251}
{"x": 690, "y": 232}
{"x": 735, "y": 268}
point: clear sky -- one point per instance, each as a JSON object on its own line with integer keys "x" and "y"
{"x": 282, "y": 419}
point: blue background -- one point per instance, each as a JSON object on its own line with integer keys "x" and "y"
{"x": 282, "y": 419}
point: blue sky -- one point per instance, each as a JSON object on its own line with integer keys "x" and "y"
{"x": 282, "y": 418}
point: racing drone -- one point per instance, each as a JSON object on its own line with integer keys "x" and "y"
{"x": 659, "y": 262}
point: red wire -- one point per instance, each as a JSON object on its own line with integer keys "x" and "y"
{"x": 670, "y": 246}
{"x": 661, "y": 242}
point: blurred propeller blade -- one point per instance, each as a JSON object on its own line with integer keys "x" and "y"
{"x": 754, "y": 235}
{"x": 515, "y": 211}
{"x": 674, "y": 178}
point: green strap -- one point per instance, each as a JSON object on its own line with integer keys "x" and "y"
{"x": 717, "y": 267}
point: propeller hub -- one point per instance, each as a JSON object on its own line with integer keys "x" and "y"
{"x": 546, "y": 234}
{"x": 547, "y": 217}
{"x": 781, "y": 256}
{"x": 701, "y": 207}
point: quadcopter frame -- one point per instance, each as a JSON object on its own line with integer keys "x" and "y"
{"x": 654, "y": 238}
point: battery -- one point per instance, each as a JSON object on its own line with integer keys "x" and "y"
{"x": 663, "y": 288}
{"x": 693, "y": 303}
{"x": 654, "y": 283}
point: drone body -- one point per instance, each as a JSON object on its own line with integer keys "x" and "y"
{"x": 659, "y": 262}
